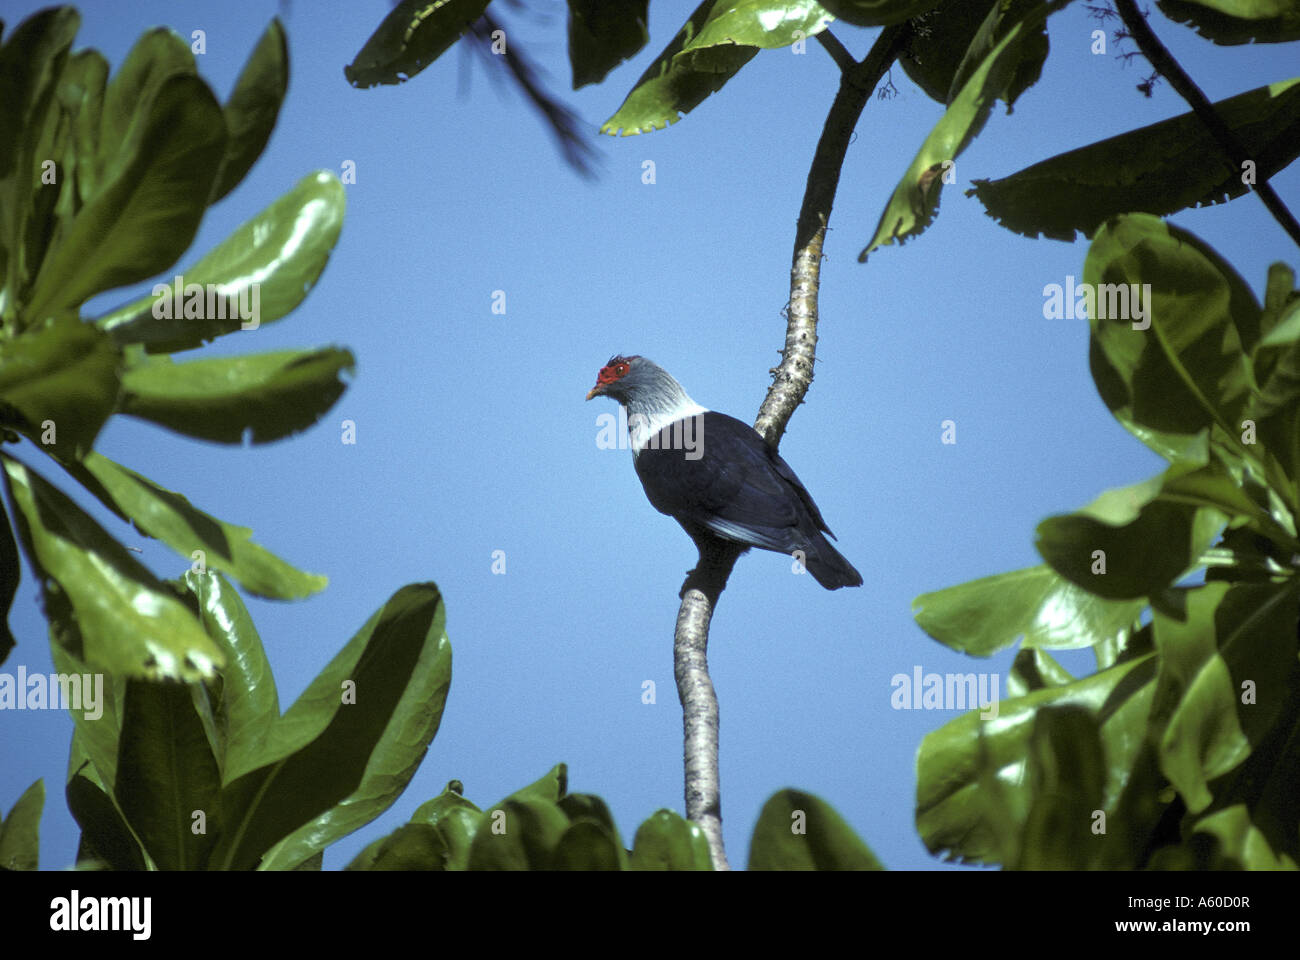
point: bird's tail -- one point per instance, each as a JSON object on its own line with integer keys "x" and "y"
{"x": 828, "y": 566}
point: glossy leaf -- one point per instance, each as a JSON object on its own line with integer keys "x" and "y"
{"x": 518, "y": 834}
{"x": 1065, "y": 773}
{"x": 32, "y": 63}
{"x": 798, "y": 831}
{"x": 331, "y": 766}
{"x": 990, "y": 614}
{"x": 171, "y": 518}
{"x": 1229, "y": 638}
{"x": 666, "y": 841}
{"x": 958, "y": 813}
{"x": 551, "y": 786}
{"x": 1011, "y": 64}
{"x": 602, "y": 35}
{"x": 587, "y": 845}
{"x": 167, "y": 775}
{"x": 84, "y": 87}
{"x": 263, "y": 269}
{"x": 58, "y": 384}
{"x": 457, "y": 820}
{"x": 125, "y": 620}
{"x": 266, "y": 395}
{"x": 106, "y": 837}
{"x": 253, "y": 108}
{"x": 157, "y": 56}
{"x": 1176, "y": 367}
{"x": 1159, "y": 169}
{"x": 149, "y": 207}
{"x": 20, "y": 831}
{"x": 1135, "y": 541}
{"x": 413, "y": 35}
{"x": 248, "y": 707}
{"x": 96, "y": 731}
{"x": 412, "y": 846}
{"x": 1238, "y": 21}
{"x": 690, "y": 69}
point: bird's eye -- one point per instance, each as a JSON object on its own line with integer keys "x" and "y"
{"x": 620, "y": 370}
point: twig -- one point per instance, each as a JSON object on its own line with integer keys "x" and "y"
{"x": 706, "y": 582}
{"x": 1162, "y": 60}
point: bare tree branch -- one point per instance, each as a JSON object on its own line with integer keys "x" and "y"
{"x": 1163, "y": 61}
{"x": 704, "y": 584}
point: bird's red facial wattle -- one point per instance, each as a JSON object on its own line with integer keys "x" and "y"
{"x": 610, "y": 373}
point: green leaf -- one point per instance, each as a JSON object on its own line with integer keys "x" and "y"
{"x": 412, "y": 846}
{"x": 1238, "y": 21}
{"x": 933, "y": 54}
{"x": 247, "y": 705}
{"x": 125, "y": 620}
{"x": 551, "y": 786}
{"x": 1230, "y": 637}
{"x": 971, "y": 794}
{"x": 990, "y": 614}
{"x": 602, "y": 35}
{"x": 106, "y": 837}
{"x": 687, "y": 71}
{"x": 878, "y": 13}
{"x": 518, "y": 834}
{"x": 1135, "y": 541}
{"x": 82, "y": 92}
{"x": 1159, "y": 169}
{"x": 269, "y": 395}
{"x": 31, "y": 68}
{"x": 666, "y": 841}
{"x": 10, "y": 574}
{"x": 1280, "y": 300}
{"x": 1240, "y": 843}
{"x": 1177, "y": 366}
{"x": 168, "y": 785}
{"x": 347, "y": 748}
{"x": 156, "y": 57}
{"x": 457, "y": 820}
{"x": 1035, "y": 669}
{"x": 58, "y": 384}
{"x": 588, "y": 845}
{"x": 1066, "y": 771}
{"x": 258, "y": 274}
{"x": 149, "y": 207}
{"x": 1011, "y": 64}
{"x": 253, "y": 108}
{"x": 171, "y": 518}
{"x": 798, "y": 831}
{"x": 20, "y": 833}
{"x": 413, "y": 35}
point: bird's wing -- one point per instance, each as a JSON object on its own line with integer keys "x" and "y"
{"x": 737, "y": 486}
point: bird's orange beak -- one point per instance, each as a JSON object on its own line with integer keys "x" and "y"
{"x": 596, "y": 391}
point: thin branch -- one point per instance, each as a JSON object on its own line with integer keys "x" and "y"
{"x": 838, "y": 53}
{"x": 1162, "y": 60}
{"x": 706, "y": 582}
{"x": 791, "y": 379}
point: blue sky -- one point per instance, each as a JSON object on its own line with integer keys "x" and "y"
{"x": 473, "y": 436}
